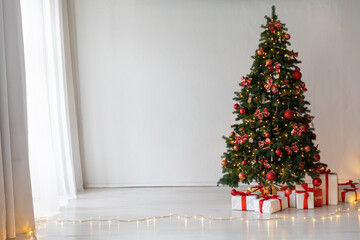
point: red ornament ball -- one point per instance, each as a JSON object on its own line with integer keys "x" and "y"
{"x": 302, "y": 164}
{"x": 288, "y": 114}
{"x": 314, "y": 136}
{"x": 307, "y": 148}
{"x": 278, "y": 152}
{"x": 270, "y": 175}
{"x": 269, "y": 62}
{"x": 232, "y": 134}
{"x": 288, "y": 192}
{"x": 242, "y": 176}
{"x": 296, "y": 75}
{"x": 287, "y": 36}
{"x": 317, "y": 156}
{"x": 244, "y": 162}
{"x": 236, "y": 106}
{"x": 236, "y": 148}
{"x": 260, "y": 51}
{"x": 233, "y": 192}
{"x": 317, "y": 182}
{"x": 224, "y": 163}
{"x": 242, "y": 110}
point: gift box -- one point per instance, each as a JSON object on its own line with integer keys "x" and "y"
{"x": 349, "y": 194}
{"x": 259, "y": 190}
{"x": 349, "y": 185}
{"x": 329, "y": 187}
{"x": 243, "y": 201}
{"x": 318, "y": 199}
{"x": 291, "y": 199}
{"x": 270, "y": 204}
{"x": 304, "y": 196}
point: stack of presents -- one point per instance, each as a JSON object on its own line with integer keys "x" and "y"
{"x": 304, "y": 196}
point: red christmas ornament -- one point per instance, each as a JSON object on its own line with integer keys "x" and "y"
{"x": 270, "y": 176}
{"x": 260, "y": 51}
{"x": 317, "y": 156}
{"x": 269, "y": 62}
{"x": 302, "y": 164}
{"x": 242, "y": 110}
{"x": 236, "y": 148}
{"x": 242, "y": 176}
{"x": 232, "y": 134}
{"x": 288, "y": 192}
{"x": 233, "y": 192}
{"x": 317, "y": 182}
{"x": 224, "y": 163}
{"x": 288, "y": 114}
{"x": 236, "y": 106}
{"x": 287, "y": 36}
{"x": 278, "y": 152}
{"x": 244, "y": 162}
{"x": 307, "y": 148}
{"x": 296, "y": 75}
{"x": 314, "y": 136}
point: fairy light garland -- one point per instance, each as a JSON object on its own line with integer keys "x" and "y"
{"x": 199, "y": 217}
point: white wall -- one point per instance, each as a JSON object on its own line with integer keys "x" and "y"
{"x": 156, "y": 82}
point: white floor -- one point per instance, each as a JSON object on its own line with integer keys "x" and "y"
{"x": 136, "y": 203}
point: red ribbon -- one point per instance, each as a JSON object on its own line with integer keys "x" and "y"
{"x": 270, "y": 85}
{"x": 326, "y": 172}
{"x": 306, "y": 194}
{"x": 288, "y": 197}
{"x": 243, "y": 198}
{"x": 350, "y": 182}
{"x": 301, "y": 87}
{"x": 245, "y": 81}
{"x": 261, "y": 202}
{"x": 348, "y": 190}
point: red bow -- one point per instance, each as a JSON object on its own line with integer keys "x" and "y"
{"x": 278, "y": 25}
{"x": 350, "y": 182}
{"x": 245, "y": 81}
{"x": 270, "y": 85}
{"x": 261, "y": 202}
{"x": 301, "y": 87}
{"x": 277, "y": 67}
{"x": 293, "y": 55}
{"x": 271, "y": 27}
{"x": 326, "y": 172}
{"x": 306, "y": 194}
{"x": 348, "y": 190}
{"x": 293, "y": 148}
{"x": 298, "y": 129}
{"x": 240, "y": 139}
{"x": 261, "y": 115}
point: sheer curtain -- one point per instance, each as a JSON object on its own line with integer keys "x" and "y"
{"x": 53, "y": 141}
{"x": 16, "y": 212}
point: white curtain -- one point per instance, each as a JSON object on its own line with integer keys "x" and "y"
{"x": 53, "y": 135}
{"x": 16, "y": 209}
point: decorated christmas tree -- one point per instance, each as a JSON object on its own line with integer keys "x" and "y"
{"x": 272, "y": 141}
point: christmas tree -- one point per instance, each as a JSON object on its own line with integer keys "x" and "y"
{"x": 272, "y": 141}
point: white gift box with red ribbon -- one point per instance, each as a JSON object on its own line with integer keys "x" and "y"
{"x": 349, "y": 185}
{"x": 243, "y": 201}
{"x": 291, "y": 198}
{"x": 270, "y": 204}
{"x": 329, "y": 187}
{"x": 304, "y": 196}
{"x": 349, "y": 194}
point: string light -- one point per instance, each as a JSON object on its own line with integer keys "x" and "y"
{"x": 196, "y": 217}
